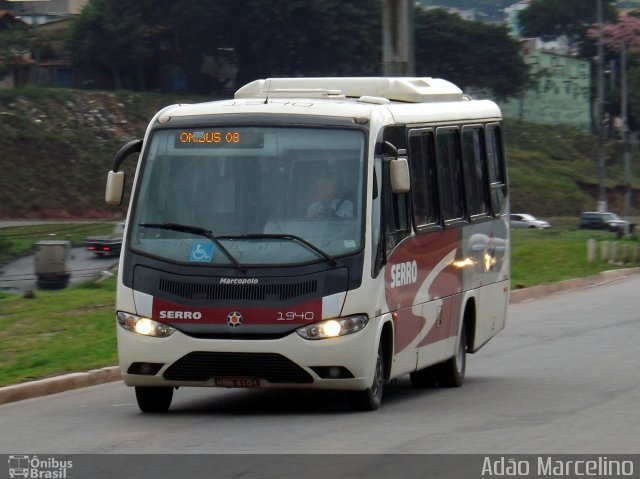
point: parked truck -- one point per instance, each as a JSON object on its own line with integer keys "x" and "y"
{"x": 106, "y": 245}
{"x": 52, "y": 264}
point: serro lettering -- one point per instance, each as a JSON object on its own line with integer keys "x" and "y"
{"x": 404, "y": 273}
{"x": 180, "y": 315}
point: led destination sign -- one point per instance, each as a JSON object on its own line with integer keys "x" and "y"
{"x": 218, "y": 138}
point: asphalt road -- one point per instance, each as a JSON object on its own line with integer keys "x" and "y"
{"x": 561, "y": 378}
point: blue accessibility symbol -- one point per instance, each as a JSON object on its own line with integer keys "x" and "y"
{"x": 201, "y": 252}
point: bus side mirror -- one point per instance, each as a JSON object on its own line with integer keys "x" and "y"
{"x": 399, "y": 171}
{"x": 115, "y": 188}
{"x": 115, "y": 181}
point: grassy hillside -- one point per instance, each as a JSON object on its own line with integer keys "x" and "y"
{"x": 57, "y": 146}
{"x": 553, "y": 170}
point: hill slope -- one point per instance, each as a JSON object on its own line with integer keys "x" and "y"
{"x": 56, "y": 147}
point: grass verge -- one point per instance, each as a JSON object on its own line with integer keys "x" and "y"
{"x": 57, "y": 332}
{"x": 557, "y": 254}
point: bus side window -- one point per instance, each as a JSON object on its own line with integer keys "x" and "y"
{"x": 450, "y": 175}
{"x": 424, "y": 186}
{"x": 475, "y": 176}
{"x": 495, "y": 161}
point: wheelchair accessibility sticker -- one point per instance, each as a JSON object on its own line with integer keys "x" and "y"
{"x": 201, "y": 252}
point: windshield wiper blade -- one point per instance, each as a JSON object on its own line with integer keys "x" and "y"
{"x": 299, "y": 239}
{"x": 197, "y": 230}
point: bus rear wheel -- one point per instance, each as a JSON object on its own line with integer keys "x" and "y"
{"x": 371, "y": 398}
{"x": 154, "y": 398}
{"x": 450, "y": 373}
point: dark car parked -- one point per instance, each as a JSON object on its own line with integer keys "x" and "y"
{"x": 602, "y": 221}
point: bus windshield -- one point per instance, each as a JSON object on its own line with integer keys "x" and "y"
{"x": 250, "y": 195}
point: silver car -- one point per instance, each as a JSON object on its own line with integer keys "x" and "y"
{"x": 523, "y": 220}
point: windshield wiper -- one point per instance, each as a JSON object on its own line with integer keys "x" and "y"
{"x": 196, "y": 230}
{"x": 306, "y": 243}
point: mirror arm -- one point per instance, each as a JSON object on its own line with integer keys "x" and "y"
{"x": 134, "y": 146}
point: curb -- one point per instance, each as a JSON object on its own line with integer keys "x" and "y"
{"x": 542, "y": 290}
{"x": 57, "y": 384}
{"x": 67, "y": 382}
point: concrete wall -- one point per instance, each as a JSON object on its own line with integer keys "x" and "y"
{"x": 562, "y": 93}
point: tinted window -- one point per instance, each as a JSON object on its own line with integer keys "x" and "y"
{"x": 423, "y": 174}
{"x": 473, "y": 159}
{"x": 495, "y": 162}
{"x": 450, "y": 173}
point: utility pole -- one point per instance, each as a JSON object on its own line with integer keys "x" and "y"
{"x": 602, "y": 192}
{"x": 625, "y": 131}
{"x": 397, "y": 38}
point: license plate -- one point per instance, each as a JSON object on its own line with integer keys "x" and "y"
{"x": 233, "y": 382}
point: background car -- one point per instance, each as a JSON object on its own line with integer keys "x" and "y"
{"x": 523, "y": 220}
{"x": 605, "y": 220}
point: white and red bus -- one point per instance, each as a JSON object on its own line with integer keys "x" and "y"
{"x": 327, "y": 233}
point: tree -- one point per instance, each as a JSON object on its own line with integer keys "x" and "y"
{"x": 150, "y": 43}
{"x": 15, "y": 43}
{"x": 306, "y": 37}
{"x": 108, "y": 40}
{"x": 616, "y": 37}
{"x": 550, "y": 19}
{"x": 470, "y": 54}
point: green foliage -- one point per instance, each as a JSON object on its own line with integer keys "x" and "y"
{"x": 550, "y": 19}
{"x": 15, "y": 40}
{"x": 174, "y": 45}
{"x": 477, "y": 55}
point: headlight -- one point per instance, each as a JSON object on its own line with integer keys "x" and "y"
{"x": 144, "y": 326}
{"x": 332, "y": 328}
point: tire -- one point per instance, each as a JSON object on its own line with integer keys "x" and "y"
{"x": 450, "y": 374}
{"x": 371, "y": 398}
{"x": 154, "y": 399}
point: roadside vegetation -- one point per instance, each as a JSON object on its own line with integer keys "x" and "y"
{"x": 56, "y": 332}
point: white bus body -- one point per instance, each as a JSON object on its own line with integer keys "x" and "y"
{"x": 225, "y": 280}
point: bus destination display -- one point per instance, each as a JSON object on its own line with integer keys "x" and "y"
{"x": 218, "y": 139}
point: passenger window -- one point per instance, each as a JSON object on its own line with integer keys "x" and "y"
{"x": 424, "y": 187}
{"x": 450, "y": 174}
{"x": 475, "y": 179}
{"x": 495, "y": 161}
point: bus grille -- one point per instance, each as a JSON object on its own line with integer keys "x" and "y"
{"x": 202, "y": 366}
{"x": 235, "y": 292}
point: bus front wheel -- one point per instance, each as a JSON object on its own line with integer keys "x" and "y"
{"x": 154, "y": 398}
{"x": 371, "y": 398}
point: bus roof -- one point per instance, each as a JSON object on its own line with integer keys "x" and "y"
{"x": 402, "y": 99}
{"x": 412, "y": 90}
